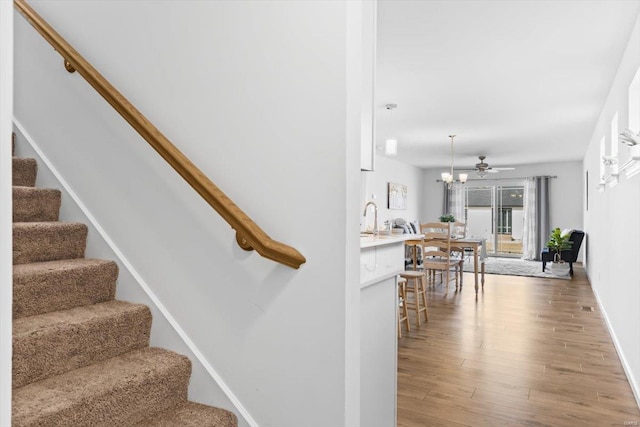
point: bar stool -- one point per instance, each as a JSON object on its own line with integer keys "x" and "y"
{"x": 418, "y": 278}
{"x": 403, "y": 312}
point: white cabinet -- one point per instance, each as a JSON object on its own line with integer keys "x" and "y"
{"x": 380, "y": 262}
{"x": 378, "y": 354}
{"x": 367, "y": 113}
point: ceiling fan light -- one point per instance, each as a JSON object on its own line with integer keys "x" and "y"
{"x": 482, "y": 173}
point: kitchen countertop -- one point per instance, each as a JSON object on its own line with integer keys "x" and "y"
{"x": 369, "y": 241}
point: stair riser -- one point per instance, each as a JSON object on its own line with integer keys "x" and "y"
{"x": 59, "y": 348}
{"x": 24, "y": 172}
{"x": 44, "y": 292}
{"x": 80, "y": 358}
{"x": 142, "y": 397}
{"x": 42, "y": 243}
{"x": 30, "y": 205}
{"x": 192, "y": 414}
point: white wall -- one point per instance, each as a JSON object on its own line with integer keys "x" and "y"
{"x": 390, "y": 170}
{"x": 255, "y": 93}
{"x": 612, "y": 224}
{"x": 6, "y": 260}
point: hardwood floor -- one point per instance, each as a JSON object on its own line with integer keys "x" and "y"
{"x": 527, "y": 352}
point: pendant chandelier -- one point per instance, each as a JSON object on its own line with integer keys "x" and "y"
{"x": 447, "y": 177}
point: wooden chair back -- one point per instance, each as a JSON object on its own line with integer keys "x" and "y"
{"x": 437, "y": 251}
{"x": 459, "y": 230}
{"x": 436, "y": 231}
{"x": 437, "y": 240}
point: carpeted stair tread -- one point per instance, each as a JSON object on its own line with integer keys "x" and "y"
{"x": 31, "y": 204}
{"x": 48, "y": 241}
{"x": 52, "y": 343}
{"x": 192, "y": 414}
{"x": 81, "y": 358}
{"x": 42, "y": 287}
{"x": 123, "y": 390}
{"x": 24, "y": 171}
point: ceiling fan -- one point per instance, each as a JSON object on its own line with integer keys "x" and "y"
{"x": 483, "y": 168}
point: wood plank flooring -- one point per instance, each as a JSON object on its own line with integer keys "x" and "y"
{"x": 527, "y": 352}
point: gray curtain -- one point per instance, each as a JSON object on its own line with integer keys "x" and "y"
{"x": 536, "y": 217}
{"x": 453, "y": 201}
{"x": 445, "y": 200}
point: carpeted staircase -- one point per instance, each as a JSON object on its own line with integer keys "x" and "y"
{"x": 80, "y": 357}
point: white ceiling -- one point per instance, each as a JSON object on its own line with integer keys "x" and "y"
{"x": 518, "y": 81}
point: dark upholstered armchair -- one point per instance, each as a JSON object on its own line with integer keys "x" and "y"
{"x": 568, "y": 255}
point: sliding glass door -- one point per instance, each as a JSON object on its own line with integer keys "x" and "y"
{"x": 494, "y": 212}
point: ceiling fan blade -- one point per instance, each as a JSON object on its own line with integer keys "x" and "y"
{"x": 504, "y": 169}
{"x": 493, "y": 170}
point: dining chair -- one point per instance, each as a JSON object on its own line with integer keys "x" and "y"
{"x": 436, "y": 251}
{"x": 457, "y": 255}
{"x": 461, "y": 253}
{"x": 459, "y": 230}
{"x": 433, "y": 232}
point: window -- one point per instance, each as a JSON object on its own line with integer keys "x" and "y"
{"x": 495, "y": 212}
{"x": 634, "y": 125}
{"x": 634, "y": 103}
{"x": 613, "y": 168}
{"x": 602, "y": 154}
{"x": 505, "y": 220}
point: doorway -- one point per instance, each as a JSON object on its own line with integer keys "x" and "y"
{"x": 495, "y": 213}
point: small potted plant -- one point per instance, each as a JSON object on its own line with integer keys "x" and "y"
{"x": 557, "y": 243}
{"x": 447, "y": 218}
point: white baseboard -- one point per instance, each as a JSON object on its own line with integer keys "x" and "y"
{"x": 125, "y": 262}
{"x": 625, "y": 365}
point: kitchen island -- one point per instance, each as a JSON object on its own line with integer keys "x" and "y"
{"x": 381, "y": 260}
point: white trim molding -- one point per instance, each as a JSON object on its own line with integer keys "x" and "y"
{"x": 6, "y": 204}
{"x": 631, "y": 168}
{"x": 635, "y": 387}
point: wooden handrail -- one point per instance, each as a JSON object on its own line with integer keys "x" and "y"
{"x": 248, "y": 235}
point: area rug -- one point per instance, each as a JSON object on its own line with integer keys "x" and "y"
{"x": 515, "y": 267}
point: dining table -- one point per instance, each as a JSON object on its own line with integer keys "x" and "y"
{"x": 477, "y": 245}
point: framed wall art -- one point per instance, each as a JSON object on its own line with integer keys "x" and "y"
{"x": 397, "y": 196}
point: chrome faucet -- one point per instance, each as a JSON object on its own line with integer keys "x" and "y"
{"x": 375, "y": 216}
